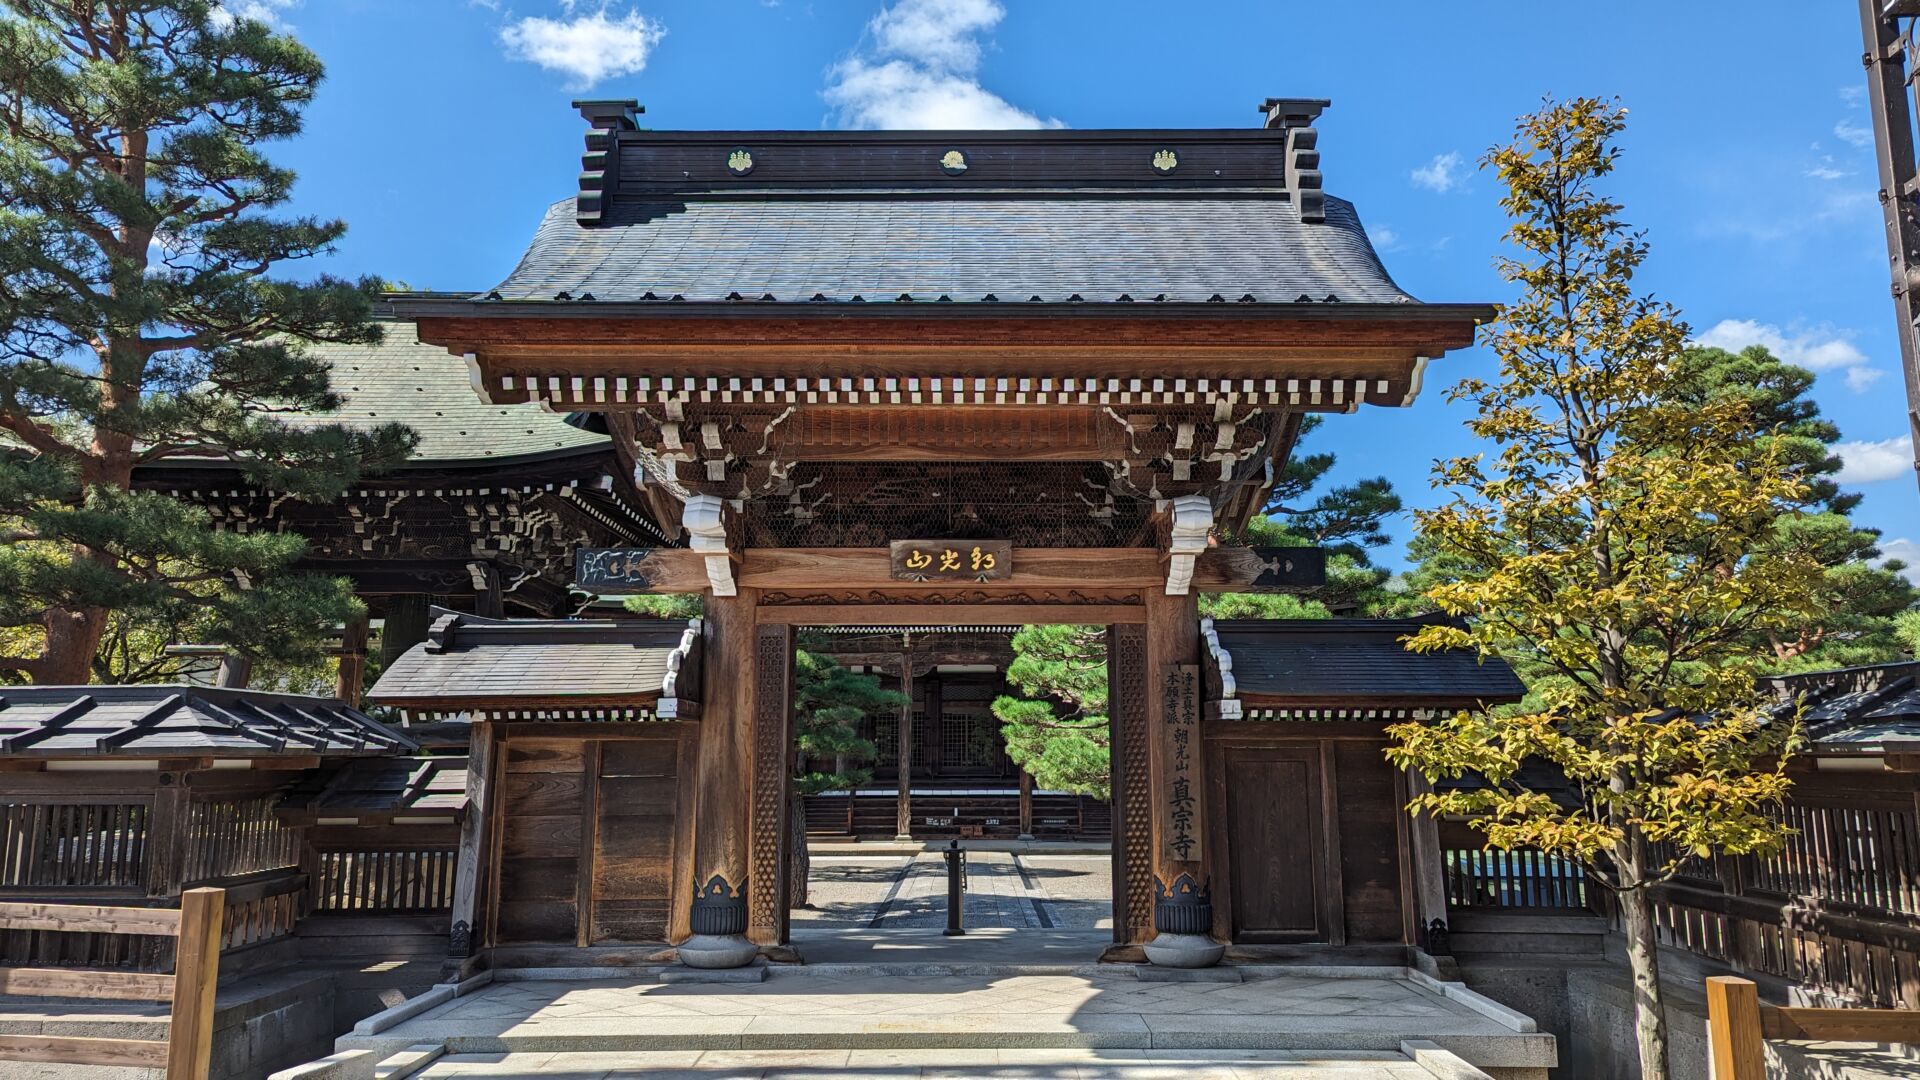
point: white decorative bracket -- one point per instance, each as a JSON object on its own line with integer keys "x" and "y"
{"x": 669, "y": 707}
{"x": 1229, "y": 703}
{"x": 1192, "y": 521}
{"x": 704, "y": 519}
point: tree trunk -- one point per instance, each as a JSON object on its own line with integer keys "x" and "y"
{"x": 1643, "y": 956}
{"x": 72, "y": 638}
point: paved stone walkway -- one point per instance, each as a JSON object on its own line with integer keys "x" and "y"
{"x": 1004, "y": 891}
{"x": 1101, "y": 1010}
{"x": 985, "y": 1064}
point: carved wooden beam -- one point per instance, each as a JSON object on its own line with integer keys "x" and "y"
{"x": 624, "y": 571}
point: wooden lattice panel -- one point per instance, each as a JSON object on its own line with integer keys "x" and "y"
{"x": 1134, "y": 827}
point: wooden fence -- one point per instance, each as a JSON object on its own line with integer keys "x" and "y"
{"x": 188, "y": 1050}
{"x": 1738, "y": 1025}
{"x": 404, "y": 881}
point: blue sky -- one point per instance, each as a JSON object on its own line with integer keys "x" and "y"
{"x": 444, "y": 130}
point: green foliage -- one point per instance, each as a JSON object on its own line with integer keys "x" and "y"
{"x": 675, "y": 607}
{"x": 1622, "y": 546}
{"x": 1058, "y": 730}
{"x": 1859, "y": 598}
{"x": 829, "y": 702}
{"x": 139, "y": 323}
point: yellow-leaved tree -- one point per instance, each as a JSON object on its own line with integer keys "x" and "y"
{"x": 1618, "y": 545}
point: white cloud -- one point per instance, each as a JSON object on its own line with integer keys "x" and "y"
{"x": 1827, "y": 170}
{"x": 1854, "y": 133}
{"x": 918, "y": 68}
{"x": 1860, "y": 378}
{"x": 1865, "y": 462}
{"x": 1821, "y": 348}
{"x": 226, "y": 14}
{"x": 1907, "y": 551}
{"x": 1852, "y": 94}
{"x": 1442, "y": 174}
{"x": 1384, "y": 238}
{"x": 588, "y": 49}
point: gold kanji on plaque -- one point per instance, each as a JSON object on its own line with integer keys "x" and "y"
{"x": 951, "y": 560}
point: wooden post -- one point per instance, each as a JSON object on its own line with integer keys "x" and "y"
{"x": 1429, "y": 870}
{"x": 196, "y": 974}
{"x": 235, "y": 671}
{"x": 1026, "y": 805}
{"x": 1182, "y": 887}
{"x": 489, "y": 600}
{"x": 464, "y": 934}
{"x": 1734, "y": 1047}
{"x": 903, "y": 812}
{"x": 723, "y": 768}
{"x": 167, "y": 835}
{"x": 405, "y": 626}
{"x": 353, "y": 661}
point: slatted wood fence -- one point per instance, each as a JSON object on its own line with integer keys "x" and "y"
{"x": 413, "y": 881}
{"x": 1739, "y": 1024}
{"x": 188, "y": 1050}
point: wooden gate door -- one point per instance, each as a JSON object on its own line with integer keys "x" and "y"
{"x": 1276, "y": 851}
{"x": 634, "y": 840}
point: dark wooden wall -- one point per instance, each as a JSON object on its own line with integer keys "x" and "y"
{"x": 1310, "y": 841}
{"x": 592, "y": 835}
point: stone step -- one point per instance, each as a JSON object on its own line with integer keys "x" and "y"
{"x": 984, "y": 1064}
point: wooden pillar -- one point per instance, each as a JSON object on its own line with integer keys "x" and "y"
{"x": 723, "y": 769}
{"x": 489, "y": 599}
{"x": 1429, "y": 897}
{"x": 235, "y": 671}
{"x": 903, "y": 814}
{"x": 405, "y": 626}
{"x": 1183, "y": 901}
{"x": 476, "y": 846}
{"x": 167, "y": 835}
{"x": 1026, "y": 805}
{"x": 353, "y": 661}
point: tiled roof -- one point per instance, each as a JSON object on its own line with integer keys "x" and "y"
{"x": 881, "y": 249}
{"x": 468, "y": 659}
{"x": 1324, "y": 660}
{"x": 382, "y": 786}
{"x": 1858, "y": 709}
{"x": 430, "y": 390}
{"x": 165, "y": 721}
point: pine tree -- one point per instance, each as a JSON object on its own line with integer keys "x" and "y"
{"x": 829, "y": 701}
{"x": 140, "y": 321}
{"x": 1056, "y": 729}
{"x": 1860, "y": 596}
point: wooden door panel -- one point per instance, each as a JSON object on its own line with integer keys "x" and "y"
{"x": 634, "y": 838}
{"x": 1273, "y": 822}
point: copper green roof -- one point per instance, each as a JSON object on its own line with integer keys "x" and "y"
{"x": 430, "y": 390}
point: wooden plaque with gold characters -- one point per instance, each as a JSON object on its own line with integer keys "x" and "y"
{"x": 951, "y": 560}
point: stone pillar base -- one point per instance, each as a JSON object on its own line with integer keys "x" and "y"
{"x": 710, "y": 951}
{"x": 1184, "y": 950}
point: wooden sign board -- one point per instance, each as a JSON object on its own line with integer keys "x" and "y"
{"x": 951, "y": 560}
{"x": 1271, "y": 569}
{"x": 615, "y": 570}
{"x": 1180, "y": 761}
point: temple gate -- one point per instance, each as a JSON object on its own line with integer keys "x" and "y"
{"x": 926, "y": 378}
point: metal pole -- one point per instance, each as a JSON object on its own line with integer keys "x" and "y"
{"x": 956, "y": 888}
{"x": 1888, "y": 90}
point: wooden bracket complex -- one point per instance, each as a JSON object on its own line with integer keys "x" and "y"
{"x": 1192, "y": 521}
{"x": 705, "y": 521}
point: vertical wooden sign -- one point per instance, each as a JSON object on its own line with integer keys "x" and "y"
{"x": 1180, "y": 832}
